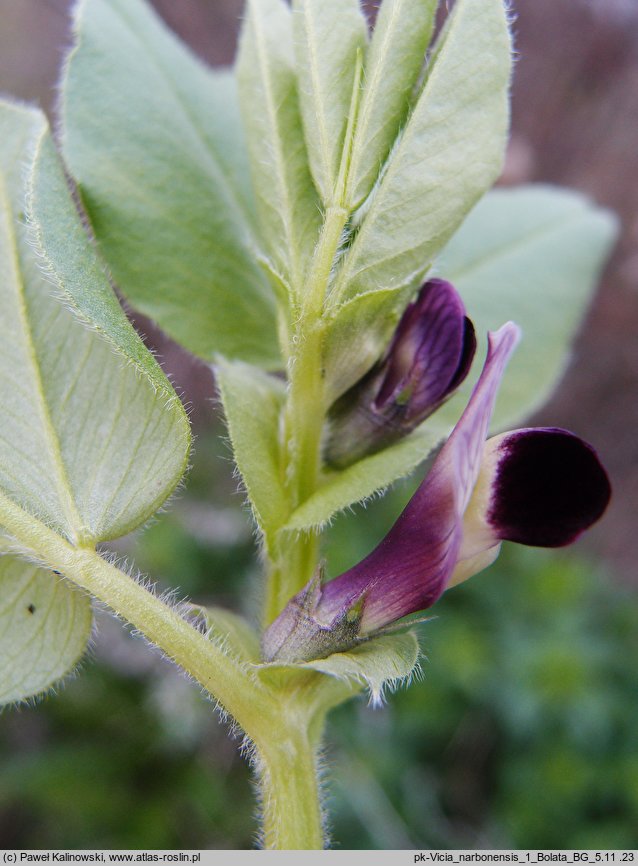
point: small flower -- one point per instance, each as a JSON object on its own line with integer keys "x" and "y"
{"x": 429, "y": 356}
{"x": 536, "y": 486}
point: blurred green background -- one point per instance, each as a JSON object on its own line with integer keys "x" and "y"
{"x": 523, "y": 730}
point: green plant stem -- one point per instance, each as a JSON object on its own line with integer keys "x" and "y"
{"x": 219, "y": 674}
{"x": 291, "y": 813}
{"x": 306, "y": 407}
{"x": 284, "y": 755}
{"x": 295, "y": 556}
{"x": 276, "y": 723}
{"x": 283, "y": 728}
{"x": 291, "y": 810}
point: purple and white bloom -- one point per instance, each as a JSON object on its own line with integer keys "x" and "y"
{"x": 429, "y": 357}
{"x": 536, "y": 486}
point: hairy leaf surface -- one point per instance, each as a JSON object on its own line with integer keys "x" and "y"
{"x": 286, "y": 198}
{"x": 252, "y": 404}
{"x": 45, "y": 624}
{"x": 93, "y": 436}
{"x": 154, "y": 139}
{"x": 395, "y": 58}
{"x": 449, "y": 154}
{"x": 375, "y": 664}
{"x": 328, "y": 36}
{"x": 364, "y": 478}
{"x": 357, "y": 334}
{"x": 533, "y": 255}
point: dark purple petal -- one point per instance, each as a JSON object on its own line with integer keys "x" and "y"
{"x": 539, "y": 487}
{"x": 413, "y": 564}
{"x": 431, "y": 352}
{"x": 549, "y": 486}
{"x": 429, "y": 356}
{"x": 467, "y": 356}
{"x": 411, "y": 567}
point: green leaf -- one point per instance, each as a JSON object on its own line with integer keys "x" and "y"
{"x": 357, "y": 334}
{"x": 67, "y": 255}
{"x": 364, "y": 478}
{"x": 328, "y": 36}
{"x": 286, "y": 198}
{"x": 94, "y": 438}
{"x": 252, "y": 403}
{"x": 448, "y": 155}
{"x": 45, "y": 624}
{"x": 532, "y": 255}
{"x": 376, "y": 664}
{"x": 381, "y": 662}
{"x": 153, "y": 138}
{"x": 395, "y": 59}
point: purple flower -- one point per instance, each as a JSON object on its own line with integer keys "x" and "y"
{"x": 429, "y": 356}
{"x": 536, "y": 486}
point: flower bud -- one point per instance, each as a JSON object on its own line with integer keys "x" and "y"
{"x": 536, "y": 486}
{"x": 429, "y": 356}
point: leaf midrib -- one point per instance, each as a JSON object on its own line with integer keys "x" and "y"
{"x": 63, "y": 486}
{"x": 372, "y": 85}
{"x": 395, "y": 163}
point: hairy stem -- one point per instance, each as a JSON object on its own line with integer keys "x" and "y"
{"x": 285, "y": 755}
{"x": 293, "y": 564}
{"x": 295, "y": 556}
{"x": 291, "y": 810}
{"x": 228, "y": 682}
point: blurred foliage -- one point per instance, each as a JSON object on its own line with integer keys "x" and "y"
{"x": 523, "y": 731}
